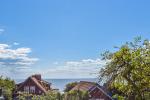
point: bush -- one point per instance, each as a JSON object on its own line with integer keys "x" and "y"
{"x": 7, "y": 85}
{"x": 69, "y": 86}
{"x": 76, "y": 95}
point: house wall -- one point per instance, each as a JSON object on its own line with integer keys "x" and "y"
{"x": 30, "y": 83}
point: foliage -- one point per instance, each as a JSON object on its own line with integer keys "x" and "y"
{"x": 51, "y": 95}
{"x": 7, "y": 85}
{"x": 76, "y": 95}
{"x": 128, "y": 69}
{"x": 118, "y": 97}
{"x": 69, "y": 86}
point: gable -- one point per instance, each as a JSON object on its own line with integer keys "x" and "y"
{"x": 98, "y": 93}
{"x": 31, "y": 82}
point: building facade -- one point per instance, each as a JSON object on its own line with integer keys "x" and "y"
{"x": 33, "y": 85}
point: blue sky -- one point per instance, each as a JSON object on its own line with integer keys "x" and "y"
{"x": 66, "y": 37}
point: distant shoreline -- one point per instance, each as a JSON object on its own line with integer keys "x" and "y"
{"x": 60, "y": 83}
{"x": 59, "y": 79}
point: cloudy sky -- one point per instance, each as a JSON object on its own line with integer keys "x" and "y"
{"x": 64, "y": 38}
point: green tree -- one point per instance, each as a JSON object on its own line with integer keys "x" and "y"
{"x": 76, "y": 95}
{"x": 7, "y": 85}
{"x": 51, "y": 95}
{"x": 128, "y": 69}
{"x": 69, "y": 86}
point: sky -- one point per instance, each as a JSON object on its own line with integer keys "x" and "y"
{"x": 65, "y": 38}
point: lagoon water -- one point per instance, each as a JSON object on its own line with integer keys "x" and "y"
{"x": 60, "y": 83}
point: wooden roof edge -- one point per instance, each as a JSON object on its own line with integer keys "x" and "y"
{"x": 38, "y": 84}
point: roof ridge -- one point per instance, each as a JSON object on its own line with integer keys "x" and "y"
{"x": 87, "y": 82}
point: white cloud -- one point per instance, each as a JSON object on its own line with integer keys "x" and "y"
{"x": 1, "y": 30}
{"x": 15, "y": 62}
{"x": 15, "y": 57}
{"x": 15, "y": 43}
{"x": 86, "y": 68}
{"x": 55, "y": 63}
{"x": 3, "y": 46}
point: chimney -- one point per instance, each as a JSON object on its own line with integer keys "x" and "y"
{"x": 37, "y": 76}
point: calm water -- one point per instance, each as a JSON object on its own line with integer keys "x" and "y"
{"x": 60, "y": 83}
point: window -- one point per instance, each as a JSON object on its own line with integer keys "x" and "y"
{"x": 32, "y": 89}
{"x": 26, "y": 89}
{"x": 40, "y": 92}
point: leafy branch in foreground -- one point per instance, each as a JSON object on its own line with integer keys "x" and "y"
{"x": 128, "y": 71}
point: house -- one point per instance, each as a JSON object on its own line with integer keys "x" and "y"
{"x": 95, "y": 90}
{"x": 33, "y": 85}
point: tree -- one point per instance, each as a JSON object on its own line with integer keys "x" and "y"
{"x": 128, "y": 69}
{"x": 7, "y": 85}
{"x": 69, "y": 86}
{"x": 52, "y": 95}
{"x": 76, "y": 95}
